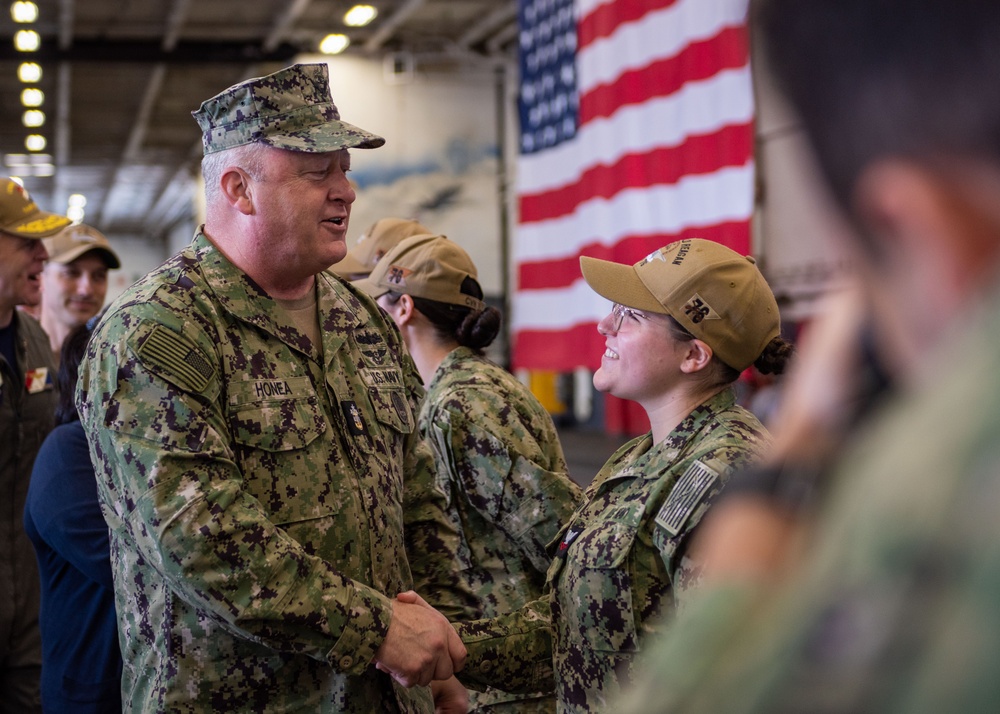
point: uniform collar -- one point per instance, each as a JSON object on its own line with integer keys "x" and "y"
{"x": 643, "y": 450}
{"x": 339, "y": 310}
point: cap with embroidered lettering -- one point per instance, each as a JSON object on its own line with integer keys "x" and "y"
{"x": 429, "y": 266}
{"x": 718, "y": 295}
{"x": 20, "y": 216}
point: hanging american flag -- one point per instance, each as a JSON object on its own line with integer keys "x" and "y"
{"x": 636, "y": 130}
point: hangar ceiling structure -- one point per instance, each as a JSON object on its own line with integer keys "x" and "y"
{"x": 121, "y": 77}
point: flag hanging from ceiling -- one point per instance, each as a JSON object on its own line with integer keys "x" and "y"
{"x": 636, "y": 131}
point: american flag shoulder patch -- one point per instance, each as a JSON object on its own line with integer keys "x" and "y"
{"x": 175, "y": 359}
{"x": 685, "y": 496}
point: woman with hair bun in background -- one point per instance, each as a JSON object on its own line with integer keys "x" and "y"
{"x": 496, "y": 448}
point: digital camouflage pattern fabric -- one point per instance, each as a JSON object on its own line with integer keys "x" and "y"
{"x": 498, "y": 457}
{"x": 253, "y": 483}
{"x": 895, "y": 610}
{"x": 290, "y": 109}
{"x": 621, "y": 564}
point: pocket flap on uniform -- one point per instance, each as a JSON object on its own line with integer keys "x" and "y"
{"x": 275, "y": 414}
{"x": 392, "y": 408}
{"x": 604, "y": 545}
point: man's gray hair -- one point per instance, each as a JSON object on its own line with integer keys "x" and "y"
{"x": 249, "y": 157}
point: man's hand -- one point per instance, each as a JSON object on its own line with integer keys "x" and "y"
{"x": 450, "y": 697}
{"x": 421, "y": 645}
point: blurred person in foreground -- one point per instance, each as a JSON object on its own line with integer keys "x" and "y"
{"x": 383, "y": 235}
{"x": 75, "y": 280}
{"x": 252, "y": 421}
{"x": 27, "y": 408}
{"x": 686, "y": 321}
{"x": 496, "y": 449}
{"x": 81, "y": 660}
{"x": 889, "y": 601}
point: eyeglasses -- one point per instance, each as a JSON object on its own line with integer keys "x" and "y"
{"x": 619, "y": 312}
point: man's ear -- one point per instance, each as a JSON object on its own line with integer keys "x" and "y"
{"x": 891, "y": 198}
{"x": 914, "y": 211}
{"x": 910, "y": 210}
{"x": 236, "y": 188}
{"x": 697, "y": 357}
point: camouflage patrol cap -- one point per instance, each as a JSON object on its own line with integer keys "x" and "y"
{"x": 73, "y": 241}
{"x": 290, "y": 109}
{"x": 718, "y": 295}
{"x": 20, "y": 216}
{"x": 428, "y": 266}
{"x": 384, "y": 235}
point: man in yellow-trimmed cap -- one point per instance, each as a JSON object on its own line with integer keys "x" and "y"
{"x": 27, "y": 407}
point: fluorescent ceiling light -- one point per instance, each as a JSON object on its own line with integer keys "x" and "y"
{"x": 334, "y": 44}
{"x": 33, "y": 118}
{"x": 27, "y": 41}
{"x": 24, "y": 11}
{"x": 29, "y": 72}
{"x": 360, "y": 15}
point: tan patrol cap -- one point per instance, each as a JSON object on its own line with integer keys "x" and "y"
{"x": 20, "y": 216}
{"x": 718, "y": 295}
{"x": 70, "y": 243}
{"x": 428, "y": 266}
{"x": 378, "y": 240}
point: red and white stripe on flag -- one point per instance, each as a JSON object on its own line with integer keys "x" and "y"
{"x": 663, "y": 150}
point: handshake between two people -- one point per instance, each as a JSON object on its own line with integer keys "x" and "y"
{"x": 421, "y": 645}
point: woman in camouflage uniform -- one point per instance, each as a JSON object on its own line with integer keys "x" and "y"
{"x": 495, "y": 447}
{"x": 687, "y": 320}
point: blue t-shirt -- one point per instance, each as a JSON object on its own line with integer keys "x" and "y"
{"x": 81, "y": 660}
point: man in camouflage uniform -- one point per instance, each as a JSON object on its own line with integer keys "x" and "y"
{"x": 27, "y": 413}
{"x": 251, "y": 419}
{"x": 622, "y": 562}
{"x": 496, "y": 449}
{"x": 892, "y": 606}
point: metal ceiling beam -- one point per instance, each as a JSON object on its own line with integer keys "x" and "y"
{"x": 111, "y": 50}
{"x": 391, "y": 24}
{"x": 62, "y": 134}
{"x": 66, "y": 11}
{"x": 138, "y": 134}
{"x": 508, "y": 34}
{"x": 175, "y": 23}
{"x": 488, "y": 24}
{"x": 64, "y": 84}
{"x": 283, "y": 22}
{"x": 176, "y": 201}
